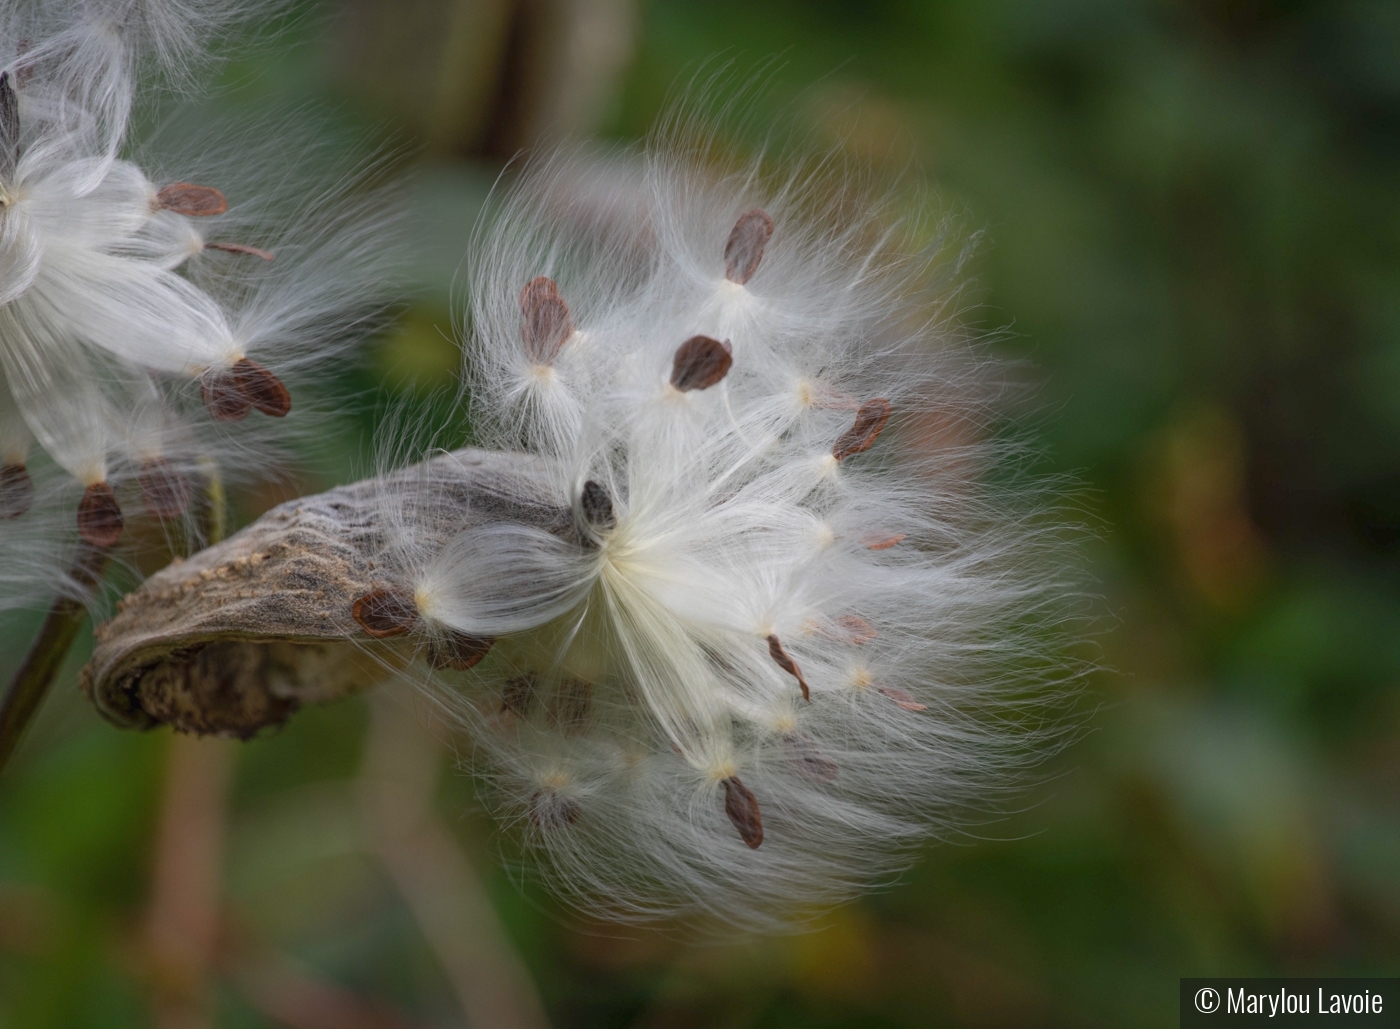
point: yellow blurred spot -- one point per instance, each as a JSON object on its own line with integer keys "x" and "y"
{"x": 419, "y": 353}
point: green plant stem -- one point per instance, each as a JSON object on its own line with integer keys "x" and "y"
{"x": 31, "y": 682}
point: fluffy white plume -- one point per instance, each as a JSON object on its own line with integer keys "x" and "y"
{"x": 782, "y": 627}
{"x": 140, "y": 316}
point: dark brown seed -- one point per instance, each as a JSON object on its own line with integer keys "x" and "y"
{"x": 901, "y": 698}
{"x": 518, "y": 697}
{"x": 744, "y": 250}
{"x": 882, "y": 542}
{"x": 550, "y": 809}
{"x": 547, "y": 323}
{"x": 261, "y": 388}
{"x": 803, "y": 753}
{"x": 700, "y": 362}
{"x": 385, "y": 613}
{"x": 165, "y": 491}
{"x": 572, "y": 704}
{"x": 222, "y": 395}
{"x": 99, "y": 517}
{"x": 742, "y": 808}
{"x": 9, "y": 127}
{"x": 16, "y": 491}
{"x": 597, "y": 506}
{"x": 195, "y": 201}
{"x": 787, "y": 664}
{"x": 856, "y": 629}
{"x": 870, "y": 421}
{"x": 240, "y": 248}
{"x": 458, "y": 651}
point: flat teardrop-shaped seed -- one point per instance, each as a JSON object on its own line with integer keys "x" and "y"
{"x": 548, "y": 325}
{"x": 223, "y": 396}
{"x": 458, "y": 651}
{"x": 700, "y": 362}
{"x": 744, "y": 249}
{"x": 261, "y": 388}
{"x": 100, "y": 519}
{"x": 164, "y": 490}
{"x": 856, "y": 629}
{"x": 518, "y": 696}
{"x": 870, "y": 421}
{"x": 742, "y": 808}
{"x": 881, "y": 542}
{"x": 385, "y": 613}
{"x": 240, "y": 248}
{"x": 787, "y": 664}
{"x": 9, "y": 127}
{"x": 187, "y": 199}
{"x": 550, "y": 809}
{"x": 804, "y": 755}
{"x": 901, "y": 698}
{"x": 596, "y": 506}
{"x": 16, "y": 491}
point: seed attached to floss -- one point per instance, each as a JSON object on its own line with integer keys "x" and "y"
{"x": 518, "y": 697}
{"x": 596, "y": 506}
{"x": 870, "y": 422}
{"x": 16, "y": 490}
{"x": 165, "y": 491}
{"x": 550, "y": 809}
{"x": 742, "y": 808}
{"x": 901, "y": 698}
{"x": 100, "y": 519}
{"x": 856, "y": 629}
{"x": 240, "y": 248}
{"x": 194, "y": 201}
{"x": 700, "y": 362}
{"x": 547, "y": 322}
{"x": 230, "y": 393}
{"x": 458, "y": 651}
{"x": 9, "y": 127}
{"x": 572, "y": 705}
{"x": 804, "y": 755}
{"x": 385, "y": 613}
{"x": 744, "y": 249}
{"x": 787, "y": 664}
{"x": 881, "y": 542}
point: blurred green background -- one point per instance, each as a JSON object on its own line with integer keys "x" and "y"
{"x": 1192, "y": 211}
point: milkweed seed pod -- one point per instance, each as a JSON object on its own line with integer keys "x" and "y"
{"x": 141, "y": 318}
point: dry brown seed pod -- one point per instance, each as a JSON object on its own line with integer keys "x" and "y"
{"x": 518, "y": 696}
{"x": 223, "y": 396}
{"x": 744, "y": 249}
{"x": 547, "y": 322}
{"x": 261, "y": 388}
{"x": 742, "y": 808}
{"x": 458, "y": 651}
{"x": 240, "y": 248}
{"x": 787, "y": 664}
{"x": 385, "y": 613}
{"x": 195, "y": 201}
{"x": 164, "y": 490}
{"x": 700, "y": 362}
{"x": 804, "y": 755}
{"x": 901, "y": 698}
{"x": 16, "y": 490}
{"x": 870, "y": 421}
{"x": 874, "y": 542}
{"x": 99, "y": 516}
{"x": 550, "y": 809}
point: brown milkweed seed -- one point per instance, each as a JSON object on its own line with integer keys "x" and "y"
{"x": 165, "y": 491}
{"x": 9, "y": 127}
{"x": 16, "y": 491}
{"x": 458, "y": 651}
{"x": 518, "y": 697}
{"x": 802, "y": 752}
{"x": 856, "y": 629}
{"x": 901, "y": 698}
{"x": 742, "y": 808}
{"x": 870, "y": 421}
{"x": 195, "y": 201}
{"x": 596, "y": 506}
{"x": 99, "y": 517}
{"x": 744, "y": 249}
{"x": 261, "y": 388}
{"x": 787, "y": 664}
{"x": 550, "y": 809}
{"x": 700, "y": 362}
{"x": 881, "y": 542}
{"x": 385, "y": 613}
{"x": 572, "y": 704}
{"x": 548, "y": 325}
{"x": 240, "y": 248}
{"x": 222, "y": 396}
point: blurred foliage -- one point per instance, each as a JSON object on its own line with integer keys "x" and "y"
{"x": 1193, "y": 209}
